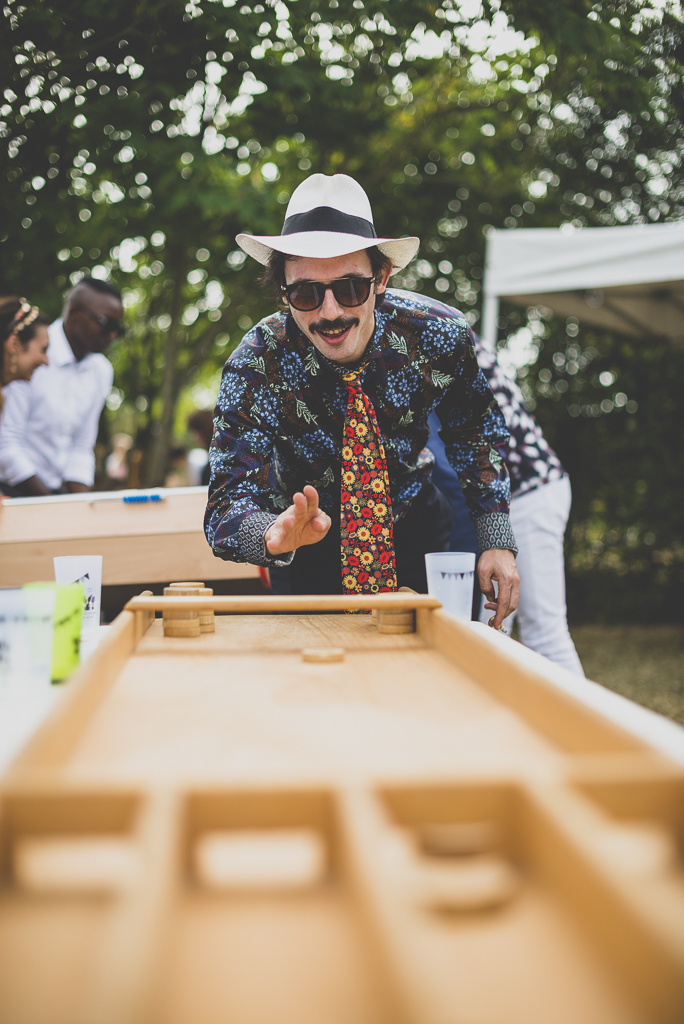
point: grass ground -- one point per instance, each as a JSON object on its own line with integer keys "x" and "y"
{"x": 644, "y": 663}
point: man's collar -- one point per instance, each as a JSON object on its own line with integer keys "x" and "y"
{"x": 60, "y": 352}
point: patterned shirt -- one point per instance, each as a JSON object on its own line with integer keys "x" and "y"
{"x": 279, "y": 418}
{"x": 531, "y": 461}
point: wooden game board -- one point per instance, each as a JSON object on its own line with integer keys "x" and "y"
{"x": 137, "y": 540}
{"x": 213, "y": 831}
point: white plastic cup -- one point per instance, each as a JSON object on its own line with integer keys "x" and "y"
{"x": 26, "y": 628}
{"x": 450, "y": 578}
{"x": 86, "y": 570}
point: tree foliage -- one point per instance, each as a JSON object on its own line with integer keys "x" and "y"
{"x": 139, "y": 139}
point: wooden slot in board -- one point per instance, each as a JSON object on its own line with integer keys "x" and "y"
{"x": 565, "y": 947}
{"x": 254, "y": 808}
{"x": 34, "y": 813}
{"x": 636, "y": 918}
{"x": 282, "y": 955}
{"x": 643, "y": 843}
{"x": 564, "y": 719}
{"x": 74, "y": 955}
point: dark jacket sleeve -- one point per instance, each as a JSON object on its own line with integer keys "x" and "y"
{"x": 244, "y": 496}
{"x": 475, "y": 441}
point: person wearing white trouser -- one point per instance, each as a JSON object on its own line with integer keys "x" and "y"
{"x": 539, "y": 518}
{"x": 540, "y": 505}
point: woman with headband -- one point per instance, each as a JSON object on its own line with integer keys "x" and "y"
{"x": 23, "y": 341}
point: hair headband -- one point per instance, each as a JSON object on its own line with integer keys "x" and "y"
{"x": 24, "y": 316}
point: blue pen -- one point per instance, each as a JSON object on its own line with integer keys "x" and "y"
{"x": 139, "y": 499}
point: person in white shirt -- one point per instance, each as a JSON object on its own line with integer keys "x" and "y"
{"x": 49, "y": 424}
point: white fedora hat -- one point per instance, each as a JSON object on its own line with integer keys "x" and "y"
{"x": 328, "y": 215}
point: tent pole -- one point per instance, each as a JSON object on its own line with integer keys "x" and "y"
{"x": 490, "y": 313}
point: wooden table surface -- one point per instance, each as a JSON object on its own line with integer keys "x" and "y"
{"x": 565, "y": 904}
{"x": 242, "y": 705}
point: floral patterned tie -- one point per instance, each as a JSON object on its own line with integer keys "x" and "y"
{"x": 368, "y": 564}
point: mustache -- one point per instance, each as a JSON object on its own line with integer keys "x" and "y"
{"x": 340, "y": 324}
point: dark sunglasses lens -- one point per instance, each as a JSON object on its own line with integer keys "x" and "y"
{"x": 306, "y": 296}
{"x": 110, "y": 327}
{"x": 348, "y": 291}
{"x": 351, "y": 291}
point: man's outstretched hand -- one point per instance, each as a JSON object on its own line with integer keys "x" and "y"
{"x": 303, "y": 523}
{"x": 498, "y": 564}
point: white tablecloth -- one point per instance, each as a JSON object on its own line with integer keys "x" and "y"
{"x": 22, "y": 714}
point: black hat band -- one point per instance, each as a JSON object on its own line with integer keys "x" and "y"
{"x": 326, "y": 218}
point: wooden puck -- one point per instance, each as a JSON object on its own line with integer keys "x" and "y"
{"x": 188, "y": 590}
{"x": 458, "y": 839}
{"x": 396, "y": 629}
{"x": 177, "y": 616}
{"x": 206, "y": 617}
{"x": 478, "y": 883}
{"x": 397, "y": 618}
{"x": 323, "y": 654}
{"x": 190, "y": 629}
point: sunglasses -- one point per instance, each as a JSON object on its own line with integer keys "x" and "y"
{"x": 108, "y": 325}
{"x": 348, "y": 292}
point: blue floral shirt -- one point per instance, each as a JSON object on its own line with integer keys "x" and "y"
{"x": 279, "y": 420}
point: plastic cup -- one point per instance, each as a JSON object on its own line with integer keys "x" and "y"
{"x": 450, "y": 578}
{"x": 69, "y": 601}
{"x": 26, "y": 637}
{"x": 86, "y": 570}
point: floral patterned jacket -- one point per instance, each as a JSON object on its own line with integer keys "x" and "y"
{"x": 278, "y": 423}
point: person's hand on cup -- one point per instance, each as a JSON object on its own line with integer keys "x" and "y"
{"x": 498, "y": 566}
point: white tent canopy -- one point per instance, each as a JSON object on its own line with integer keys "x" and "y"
{"x": 626, "y": 279}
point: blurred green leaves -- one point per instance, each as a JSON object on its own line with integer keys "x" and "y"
{"x": 136, "y": 140}
{"x": 611, "y": 408}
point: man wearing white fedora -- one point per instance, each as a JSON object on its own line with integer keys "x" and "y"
{"x": 319, "y": 466}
